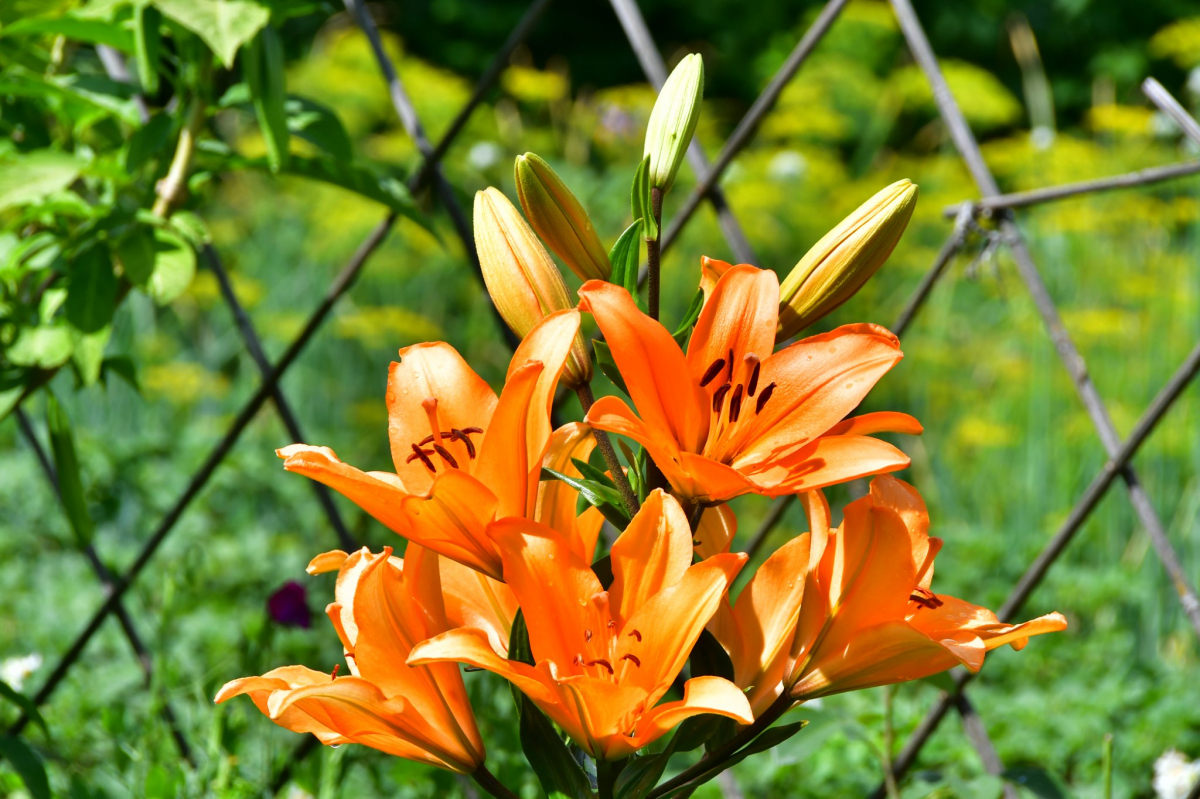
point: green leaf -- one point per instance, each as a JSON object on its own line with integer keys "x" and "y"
{"x": 1038, "y": 781}
{"x": 92, "y": 292}
{"x": 104, "y": 93}
{"x": 46, "y": 346}
{"x": 590, "y": 472}
{"x": 606, "y": 364}
{"x": 27, "y": 765}
{"x": 635, "y": 473}
{"x": 320, "y": 126}
{"x": 224, "y": 25}
{"x": 772, "y": 737}
{"x": 604, "y": 572}
{"x": 262, "y": 64}
{"x": 88, "y": 353}
{"x": 603, "y": 497}
{"x": 96, "y": 31}
{"x": 641, "y": 775}
{"x": 32, "y": 176}
{"x": 148, "y": 141}
{"x": 625, "y": 256}
{"x": 708, "y": 658}
{"x": 689, "y": 319}
{"x": 123, "y": 367}
{"x": 70, "y": 485}
{"x": 551, "y": 759}
{"x": 640, "y": 200}
{"x": 27, "y": 705}
{"x": 158, "y": 261}
{"x": 147, "y": 43}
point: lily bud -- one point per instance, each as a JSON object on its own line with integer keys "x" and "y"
{"x": 840, "y": 263}
{"x": 559, "y": 218}
{"x": 673, "y": 120}
{"x": 524, "y": 283}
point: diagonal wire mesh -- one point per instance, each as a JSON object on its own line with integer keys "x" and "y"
{"x": 993, "y": 204}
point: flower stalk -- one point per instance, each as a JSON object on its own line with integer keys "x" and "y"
{"x": 604, "y": 444}
{"x": 653, "y": 255}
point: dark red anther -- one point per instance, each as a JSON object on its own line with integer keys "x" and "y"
{"x": 446, "y": 456}
{"x": 752, "y": 386}
{"x": 426, "y": 440}
{"x": 719, "y": 397}
{"x": 333, "y": 674}
{"x": 636, "y": 635}
{"x": 926, "y": 598}
{"x": 601, "y": 662}
{"x": 611, "y": 624}
{"x": 735, "y": 403}
{"x": 472, "y": 429}
{"x": 633, "y": 658}
{"x": 587, "y": 636}
{"x": 712, "y": 371}
{"x": 731, "y": 365}
{"x": 460, "y": 435}
{"x": 763, "y": 397}
{"x": 424, "y": 457}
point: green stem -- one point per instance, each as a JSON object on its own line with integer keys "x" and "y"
{"x": 1107, "y": 765}
{"x": 171, "y": 189}
{"x": 586, "y": 399}
{"x": 712, "y": 764}
{"x": 607, "y": 772}
{"x": 652, "y": 255}
{"x": 487, "y": 780}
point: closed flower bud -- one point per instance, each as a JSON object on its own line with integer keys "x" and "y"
{"x": 673, "y": 120}
{"x": 524, "y": 283}
{"x": 559, "y": 219}
{"x": 840, "y": 263}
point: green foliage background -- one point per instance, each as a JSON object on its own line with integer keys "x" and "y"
{"x": 1007, "y": 447}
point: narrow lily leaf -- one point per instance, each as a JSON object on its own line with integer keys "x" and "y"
{"x": 603, "y": 497}
{"x": 636, "y": 480}
{"x": 640, "y": 200}
{"x": 771, "y": 738}
{"x": 25, "y": 703}
{"x": 263, "y": 68}
{"x": 62, "y": 443}
{"x": 606, "y": 364}
{"x": 590, "y": 472}
{"x": 708, "y": 658}
{"x": 689, "y": 319}
{"x": 27, "y": 765}
{"x": 547, "y": 753}
{"x": 642, "y": 774}
{"x": 147, "y": 45}
{"x": 624, "y": 256}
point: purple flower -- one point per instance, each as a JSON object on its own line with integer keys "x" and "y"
{"x": 289, "y": 606}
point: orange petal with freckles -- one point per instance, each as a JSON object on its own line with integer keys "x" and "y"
{"x": 740, "y": 313}
{"x": 707, "y": 694}
{"x": 829, "y": 461}
{"x": 879, "y": 422}
{"x": 472, "y": 599}
{"x": 818, "y": 381}
{"x": 378, "y": 493}
{"x": 652, "y": 364}
{"x": 651, "y": 554}
{"x": 464, "y": 400}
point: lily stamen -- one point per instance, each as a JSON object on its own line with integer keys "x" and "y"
{"x": 755, "y": 364}
{"x": 763, "y": 397}
{"x": 735, "y": 403}
{"x": 926, "y": 598}
{"x": 712, "y": 371}
{"x": 333, "y": 674}
{"x": 424, "y": 456}
{"x": 633, "y": 659}
{"x": 719, "y": 398}
{"x": 445, "y": 455}
{"x": 601, "y": 662}
{"x": 636, "y": 635}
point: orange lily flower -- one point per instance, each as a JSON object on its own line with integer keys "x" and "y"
{"x": 384, "y": 606}
{"x": 463, "y": 458}
{"x": 605, "y": 658}
{"x": 732, "y": 417}
{"x": 869, "y": 616}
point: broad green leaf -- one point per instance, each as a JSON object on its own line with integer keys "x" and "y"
{"x": 590, "y": 472}
{"x": 639, "y": 196}
{"x": 1036, "y": 780}
{"x": 320, "y": 126}
{"x": 104, "y": 93}
{"x": 641, "y": 775}
{"x": 603, "y": 497}
{"x": 29, "y": 177}
{"x": 46, "y": 346}
{"x": 123, "y": 367}
{"x": 224, "y": 25}
{"x": 262, "y": 64}
{"x": 27, "y": 765}
{"x": 27, "y": 705}
{"x": 82, "y": 29}
{"x": 606, "y": 364}
{"x": 147, "y": 41}
{"x": 92, "y": 292}
{"x": 70, "y": 484}
{"x": 772, "y": 737}
{"x": 158, "y": 261}
{"x": 148, "y": 141}
{"x": 693, "y": 313}
{"x": 88, "y": 353}
{"x": 555, "y": 766}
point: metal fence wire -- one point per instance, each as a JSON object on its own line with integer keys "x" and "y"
{"x": 993, "y": 206}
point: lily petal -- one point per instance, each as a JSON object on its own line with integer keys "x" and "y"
{"x": 464, "y": 400}
{"x": 472, "y": 599}
{"x": 653, "y": 553}
{"x": 556, "y": 500}
{"x": 737, "y": 318}
{"x": 707, "y": 694}
{"x": 378, "y": 493}
{"x": 829, "y": 461}
{"x": 652, "y": 364}
{"x": 718, "y": 526}
{"x": 470, "y": 646}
